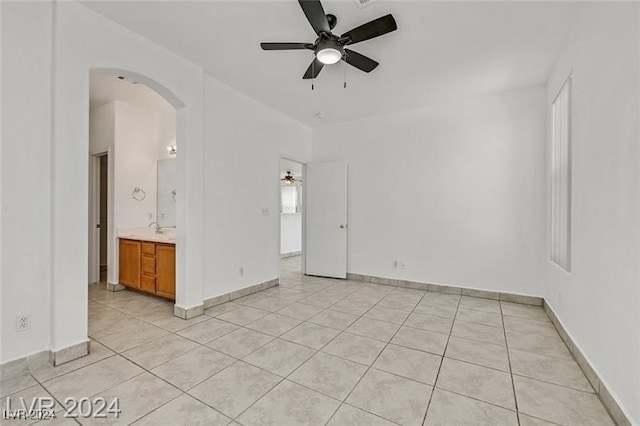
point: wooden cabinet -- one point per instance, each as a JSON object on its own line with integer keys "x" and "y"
{"x": 148, "y": 266}
{"x": 130, "y": 252}
{"x": 166, "y": 270}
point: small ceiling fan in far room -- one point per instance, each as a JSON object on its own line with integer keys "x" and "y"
{"x": 330, "y": 48}
{"x": 288, "y": 179}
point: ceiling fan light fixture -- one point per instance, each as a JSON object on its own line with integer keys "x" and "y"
{"x": 329, "y": 55}
{"x": 329, "y": 51}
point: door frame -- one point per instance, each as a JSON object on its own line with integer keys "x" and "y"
{"x": 303, "y": 216}
{"x": 94, "y": 215}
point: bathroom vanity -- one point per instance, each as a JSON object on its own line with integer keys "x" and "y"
{"x": 147, "y": 255}
{"x": 148, "y": 263}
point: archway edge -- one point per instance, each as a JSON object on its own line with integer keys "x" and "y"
{"x": 158, "y": 87}
{"x": 86, "y": 42}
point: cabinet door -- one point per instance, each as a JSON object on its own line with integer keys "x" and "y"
{"x": 130, "y": 252}
{"x": 166, "y": 270}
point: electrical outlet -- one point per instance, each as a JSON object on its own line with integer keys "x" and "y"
{"x": 241, "y": 271}
{"x": 23, "y": 322}
{"x": 395, "y": 264}
{"x": 265, "y": 211}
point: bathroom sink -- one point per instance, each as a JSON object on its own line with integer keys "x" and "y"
{"x": 167, "y": 236}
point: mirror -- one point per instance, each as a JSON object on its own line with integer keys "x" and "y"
{"x": 166, "y": 213}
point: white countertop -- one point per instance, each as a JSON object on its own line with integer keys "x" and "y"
{"x": 168, "y": 235}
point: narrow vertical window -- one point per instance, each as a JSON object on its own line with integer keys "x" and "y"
{"x": 561, "y": 178}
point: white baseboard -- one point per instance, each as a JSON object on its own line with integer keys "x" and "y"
{"x": 217, "y": 300}
{"x": 443, "y": 288}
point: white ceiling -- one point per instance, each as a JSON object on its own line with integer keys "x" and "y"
{"x": 107, "y": 87}
{"x": 442, "y": 51}
{"x": 290, "y": 166}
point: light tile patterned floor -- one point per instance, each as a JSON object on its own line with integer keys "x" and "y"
{"x": 319, "y": 351}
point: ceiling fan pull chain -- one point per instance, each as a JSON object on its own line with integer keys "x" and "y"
{"x": 313, "y": 72}
{"x": 344, "y": 67}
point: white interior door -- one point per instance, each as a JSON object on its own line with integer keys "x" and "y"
{"x": 326, "y": 219}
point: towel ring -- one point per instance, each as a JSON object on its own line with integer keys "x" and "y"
{"x": 138, "y": 194}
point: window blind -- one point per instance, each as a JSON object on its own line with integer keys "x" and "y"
{"x": 561, "y": 178}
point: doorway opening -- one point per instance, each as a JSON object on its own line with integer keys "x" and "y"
{"x": 291, "y": 217}
{"x": 104, "y": 223}
{"x": 133, "y": 197}
{"x": 100, "y": 171}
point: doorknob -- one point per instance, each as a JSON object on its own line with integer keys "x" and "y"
{"x": 98, "y": 226}
{"x": 343, "y": 226}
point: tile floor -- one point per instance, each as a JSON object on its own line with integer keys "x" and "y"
{"x": 320, "y": 351}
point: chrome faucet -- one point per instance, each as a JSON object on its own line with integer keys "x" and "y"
{"x": 158, "y": 227}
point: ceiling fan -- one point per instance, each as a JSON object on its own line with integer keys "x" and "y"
{"x": 330, "y": 48}
{"x": 289, "y": 179}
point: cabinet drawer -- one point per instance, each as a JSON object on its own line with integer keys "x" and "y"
{"x": 148, "y": 248}
{"x": 149, "y": 265}
{"x": 148, "y": 283}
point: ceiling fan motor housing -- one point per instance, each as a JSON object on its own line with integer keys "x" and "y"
{"x": 332, "y": 43}
{"x": 332, "y": 20}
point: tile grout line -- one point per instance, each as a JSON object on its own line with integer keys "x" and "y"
{"x": 513, "y": 384}
{"x": 283, "y": 378}
{"x": 182, "y": 392}
{"x": 435, "y": 382}
{"x": 55, "y": 399}
{"x": 185, "y": 392}
{"x": 387, "y": 293}
{"x": 304, "y": 362}
{"x": 307, "y": 320}
{"x": 295, "y": 369}
{"x": 342, "y": 331}
{"x": 298, "y": 319}
{"x": 381, "y": 351}
{"x": 363, "y": 315}
{"x": 204, "y": 345}
{"x": 316, "y": 350}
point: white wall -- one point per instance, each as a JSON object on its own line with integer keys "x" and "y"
{"x": 167, "y": 197}
{"x": 166, "y": 131}
{"x": 101, "y": 128}
{"x": 598, "y": 302}
{"x": 45, "y": 166}
{"x": 25, "y": 225}
{"x": 244, "y": 141}
{"x": 44, "y": 170}
{"x": 86, "y": 41}
{"x": 455, "y": 192}
{"x": 2, "y": 321}
{"x": 290, "y": 233}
